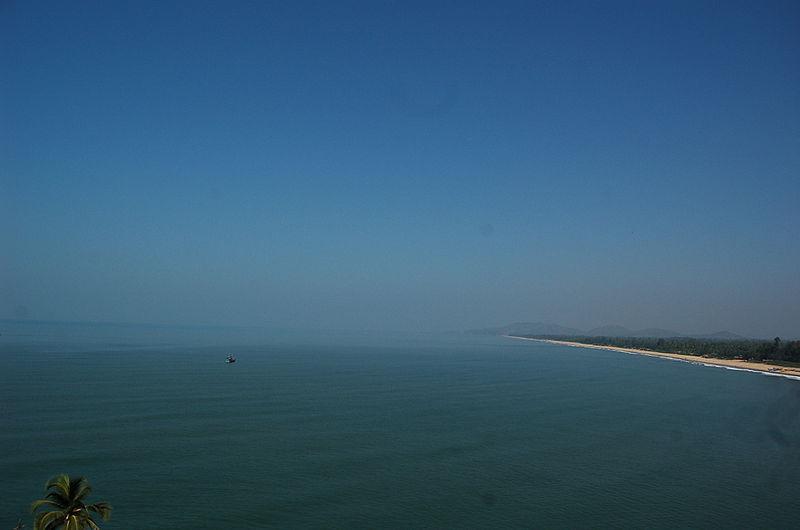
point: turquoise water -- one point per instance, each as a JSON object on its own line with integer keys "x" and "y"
{"x": 372, "y": 432}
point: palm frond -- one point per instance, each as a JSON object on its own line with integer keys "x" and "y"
{"x": 73, "y": 522}
{"x": 101, "y": 508}
{"x": 35, "y": 505}
{"x": 57, "y": 497}
{"x": 59, "y": 483}
{"x": 79, "y": 488}
{"x": 45, "y": 520}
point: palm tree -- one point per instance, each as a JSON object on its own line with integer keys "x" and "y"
{"x": 65, "y": 508}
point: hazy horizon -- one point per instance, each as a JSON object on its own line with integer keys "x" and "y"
{"x": 402, "y": 166}
{"x": 299, "y": 331}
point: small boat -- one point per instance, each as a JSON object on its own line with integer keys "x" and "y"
{"x": 230, "y": 359}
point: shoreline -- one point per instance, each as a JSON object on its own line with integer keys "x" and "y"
{"x": 730, "y": 364}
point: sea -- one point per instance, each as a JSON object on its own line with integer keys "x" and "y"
{"x": 379, "y": 430}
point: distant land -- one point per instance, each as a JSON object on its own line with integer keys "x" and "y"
{"x": 546, "y": 328}
{"x": 775, "y": 357}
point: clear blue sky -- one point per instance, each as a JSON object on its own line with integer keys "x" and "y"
{"x": 402, "y": 165}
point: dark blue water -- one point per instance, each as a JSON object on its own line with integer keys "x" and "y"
{"x": 399, "y": 432}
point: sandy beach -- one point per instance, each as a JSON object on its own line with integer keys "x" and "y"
{"x": 734, "y": 364}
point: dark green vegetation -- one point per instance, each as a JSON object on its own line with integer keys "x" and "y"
{"x": 750, "y": 350}
{"x": 64, "y": 506}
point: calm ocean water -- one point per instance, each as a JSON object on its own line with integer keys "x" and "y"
{"x": 406, "y": 432}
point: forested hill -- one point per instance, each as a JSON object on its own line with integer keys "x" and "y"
{"x": 751, "y": 350}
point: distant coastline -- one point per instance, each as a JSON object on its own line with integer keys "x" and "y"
{"x": 735, "y": 364}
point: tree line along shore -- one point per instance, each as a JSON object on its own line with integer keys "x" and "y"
{"x": 772, "y": 351}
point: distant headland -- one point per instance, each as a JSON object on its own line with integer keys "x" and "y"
{"x": 556, "y": 330}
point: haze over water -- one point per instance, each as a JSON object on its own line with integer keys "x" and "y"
{"x": 368, "y": 431}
